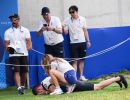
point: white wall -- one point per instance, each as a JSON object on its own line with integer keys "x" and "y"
{"x": 98, "y": 13}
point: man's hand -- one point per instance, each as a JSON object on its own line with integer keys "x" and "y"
{"x": 49, "y": 29}
{"x": 44, "y": 28}
{"x": 29, "y": 44}
{"x": 88, "y": 44}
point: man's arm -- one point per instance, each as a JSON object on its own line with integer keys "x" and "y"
{"x": 7, "y": 42}
{"x": 29, "y": 43}
{"x": 51, "y": 88}
{"x": 38, "y": 33}
{"x": 57, "y": 30}
{"x": 65, "y": 30}
{"x": 65, "y": 27}
{"x": 87, "y": 37}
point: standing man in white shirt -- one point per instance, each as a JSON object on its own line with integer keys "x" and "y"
{"x": 77, "y": 29}
{"x": 50, "y": 27}
{"x": 17, "y": 43}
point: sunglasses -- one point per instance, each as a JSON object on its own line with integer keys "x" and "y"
{"x": 45, "y": 14}
{"x": 15, "y": 19}
{"x": 71, "y": 12}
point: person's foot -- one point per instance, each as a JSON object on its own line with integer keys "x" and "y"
{"x": 20, "y": 90}
{"x": 57, "y": 91}
{"x": 70, "y": 88}
{"x": 23, "y": 89}
{"x": 119, "y": 83}
{"x": 82, "y": 78}
{"x": 123, "y": 80}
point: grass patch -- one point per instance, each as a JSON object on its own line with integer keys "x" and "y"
{"x": 112, "y": 92}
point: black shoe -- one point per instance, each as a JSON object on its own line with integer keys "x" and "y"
{"x": 22, "y": 89}
{"x": 123, "y": 80}
{"x": 119, "y": 83}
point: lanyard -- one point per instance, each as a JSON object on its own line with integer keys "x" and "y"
{"x": 19, "y": 28}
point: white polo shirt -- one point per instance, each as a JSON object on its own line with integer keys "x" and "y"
{"x": 17, "y": 38}
{"x": 61, "y": 65}
{"x": 46, "y": 82}
{"x": 51, "y": 37}
{"x": 75, "y": 27}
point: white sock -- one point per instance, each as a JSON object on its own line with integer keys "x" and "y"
{"x": 22, "y": 86}
{"x": 19, "y": 87}
{"x": 57, "y": 87}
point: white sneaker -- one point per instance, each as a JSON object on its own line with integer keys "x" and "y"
{"x": 57, "y": 91}
{"x": 82, "y": 78}
{"x": 70, "y": 88}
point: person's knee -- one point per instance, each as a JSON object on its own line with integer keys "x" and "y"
{"x": 52, "y": 71}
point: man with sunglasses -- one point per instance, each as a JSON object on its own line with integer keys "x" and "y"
{"x": 50, "y": 27}
{"x": 18, "y": 37}
{"x": 77, "y": 29}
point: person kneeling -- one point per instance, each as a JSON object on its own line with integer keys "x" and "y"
{"x": 61, "y": 72}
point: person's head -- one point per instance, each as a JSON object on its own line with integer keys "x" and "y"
{"x": 45, "y": 13}
{"x": 73, "y": 11}
{"x": 15, "y": 19}
{"x": 38, "y": 90}
{"x": 46, "y": 61}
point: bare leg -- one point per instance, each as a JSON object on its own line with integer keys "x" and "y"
{"x": 17, "y": 78}
{"x": 57, "y": 77}
{"x": 23, "y": 79}
{"x": 81, "y": 67}
{"x": 105, "y": 83}
{"x": 74, "y": 64}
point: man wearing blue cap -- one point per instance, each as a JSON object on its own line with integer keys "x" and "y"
{"x": 17, "y": 43}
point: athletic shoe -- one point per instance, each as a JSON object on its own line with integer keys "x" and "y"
{"x": 20, "y": 90}
{"x": 123, "y": 80}
{"x": 57, "y": 91}
{"x": 23, "y": 89}
{"x": 70, "y": 88}
{"x": 82, "y": 78}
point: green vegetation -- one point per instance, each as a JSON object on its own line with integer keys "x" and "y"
{"x": 112, "y": 92}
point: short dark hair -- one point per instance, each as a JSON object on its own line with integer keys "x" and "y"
{"x": 73, "y": 7}
{"x": 34, "y": 90}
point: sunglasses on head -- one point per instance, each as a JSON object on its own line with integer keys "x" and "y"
{"x": 71, "y": 12}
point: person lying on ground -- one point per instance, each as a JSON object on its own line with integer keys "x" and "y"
{"x": 46, "y": 87}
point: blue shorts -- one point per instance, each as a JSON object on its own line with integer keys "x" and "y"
{"x": 70, "y": 77}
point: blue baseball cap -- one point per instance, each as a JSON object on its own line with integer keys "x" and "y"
{"x": 14, "y": 16}
{"x": 45, "y": 11}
